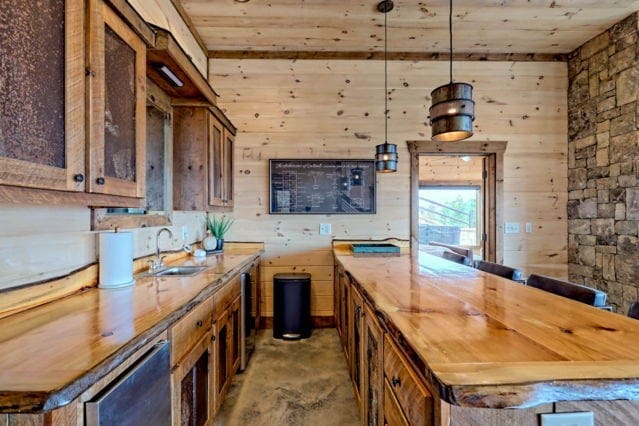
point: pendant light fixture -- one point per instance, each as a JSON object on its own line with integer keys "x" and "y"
{"x": 386, "y": 153}
{"x": 453, "y": 109}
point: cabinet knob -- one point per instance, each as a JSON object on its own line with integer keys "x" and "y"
{"x": 100, "y": 181}
{"x": 78, "y": 178}
{"x": 199, "y": 323}
{"x": 396, "y": 381}
{"x": 213, "y": 338}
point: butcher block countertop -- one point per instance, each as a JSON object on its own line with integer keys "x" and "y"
{"x": 485, "y": 341}
{"x": 50, "y": 354}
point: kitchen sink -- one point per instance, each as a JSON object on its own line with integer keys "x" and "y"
{"x": 180, "y": 271}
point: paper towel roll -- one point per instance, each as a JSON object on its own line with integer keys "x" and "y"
{"x": 116, "y": 259}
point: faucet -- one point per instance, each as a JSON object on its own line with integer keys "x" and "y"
{"x": 158, "y": 263}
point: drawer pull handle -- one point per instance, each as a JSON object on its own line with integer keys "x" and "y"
{"x": 199, "y": 323}
{"x": 396, "y": 381}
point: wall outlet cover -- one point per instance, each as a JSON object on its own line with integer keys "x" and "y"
{"x": 325, "y": 229}
{"x": 586, "y": 418}
{"x": 529, "y": 227}
{"x": 511, "y": 228}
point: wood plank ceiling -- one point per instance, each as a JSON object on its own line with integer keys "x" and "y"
{"x": 480, "y": 26}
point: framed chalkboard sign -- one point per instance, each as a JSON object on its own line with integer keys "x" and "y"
{"x": 322, "y": 186}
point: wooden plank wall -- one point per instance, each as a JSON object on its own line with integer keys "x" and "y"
{"x": 334, "y": 109}
{"x": 39, "y": 243}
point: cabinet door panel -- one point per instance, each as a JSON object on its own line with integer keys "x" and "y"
{"x": 118, "y": 104}
{"x": 373, "y": 373}
{"x": 235, "y": 335}
{"x": 42, "y": 80}
{"x": 215, "y": 163}
{"x": 229, "y": 141}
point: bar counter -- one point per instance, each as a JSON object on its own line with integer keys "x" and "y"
{"x": 484, "y": 341}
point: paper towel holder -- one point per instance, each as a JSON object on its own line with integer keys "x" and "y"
{"x": 115, "y": 260}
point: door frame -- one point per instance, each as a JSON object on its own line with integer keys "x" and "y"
{"x": 494, "y": 152}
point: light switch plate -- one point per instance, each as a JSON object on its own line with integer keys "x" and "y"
{"x": 325, "y": 229}
{"x": 586, "y": 418}
{"x": 511, "y": 228}
{"x": 529, "y": 227}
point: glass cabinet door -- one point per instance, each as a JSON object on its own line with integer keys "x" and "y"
{"x": 42, "y": 82}
{"x": 118, "y": 107}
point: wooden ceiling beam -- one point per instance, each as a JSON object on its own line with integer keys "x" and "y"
{"x": 392, "y": 56}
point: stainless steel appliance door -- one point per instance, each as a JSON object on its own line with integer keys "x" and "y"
{"x": 140, "y": 396}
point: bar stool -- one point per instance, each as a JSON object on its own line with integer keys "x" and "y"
{"x": 500, "y": 270}
{"x": 578, "y": 292}
{"x": 633, "y": 311}
{"x": 457, "y": 258}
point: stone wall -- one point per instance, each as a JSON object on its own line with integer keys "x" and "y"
{"x": 603, "y": 163}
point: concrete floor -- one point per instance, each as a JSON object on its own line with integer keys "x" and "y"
{"x": 303, "y": 382}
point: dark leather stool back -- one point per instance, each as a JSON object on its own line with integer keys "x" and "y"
{"x": 457, "y": 258}
{"x": 500, "y": 270}
{"x": 580, "y": 293}
{"x": 633, "y": 311}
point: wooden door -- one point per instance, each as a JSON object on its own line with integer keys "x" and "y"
{"x": 42, "y": 131}
{"x": 372, "y": 370}
{"x": 117, "y": 95}
{"x": 236, "y": 336}
{"x": 191, "y": 386}
{"x": 356, "y": 316}
{"x": 229, "y": 142}
{"x": 216, "y": 161}
{"x": 222, "y": 358}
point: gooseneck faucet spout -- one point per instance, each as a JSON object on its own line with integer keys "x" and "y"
{"x": 159, "y": 261}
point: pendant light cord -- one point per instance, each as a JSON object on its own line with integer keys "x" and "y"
{"x": 385, "y": 80}
{"x": 450, "y": 39}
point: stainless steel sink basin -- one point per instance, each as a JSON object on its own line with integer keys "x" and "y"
{"x": 180, "y": 271}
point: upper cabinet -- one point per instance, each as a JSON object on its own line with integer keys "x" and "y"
{"x": 117, "y": 105}
{"x": 203, "y": 157}
{"x": 42, "y": 102}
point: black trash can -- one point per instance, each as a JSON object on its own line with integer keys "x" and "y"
{"x": 291, "y": 306}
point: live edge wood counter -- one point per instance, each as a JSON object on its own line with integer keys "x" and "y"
{"x": 51, "y": 354}
{"x": 480, "y": 340}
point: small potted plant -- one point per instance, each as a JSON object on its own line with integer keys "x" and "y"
{"x": 219, "y": 228}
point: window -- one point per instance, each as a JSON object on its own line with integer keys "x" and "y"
{"x": 450, "y": 215}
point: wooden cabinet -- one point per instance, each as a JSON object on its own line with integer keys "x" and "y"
{"x": 42, "y": 113}
{"x": 191, "y": 386}
{"x": 372, "y": 380}
{"x": 226, "y": 345}
{"x": 414, "y": 400}
{"x": 192, "y": 356}
{"x": 203, "y": 157}
{"x": 356, "y": 323}
{"x": 393, "y": 414}
{"x": 221, "y": 166}
{"x": 343, "y": 288}
{"x": 117, "y": 107}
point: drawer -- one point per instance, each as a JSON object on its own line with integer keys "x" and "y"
{"x": 190, "y": 329}
{"x": 393, "y": 414}
{"x": 227, "y": 294}
{"x": 413, "y": 397}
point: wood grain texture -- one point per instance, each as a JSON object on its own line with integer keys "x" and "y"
{"x": 379, "y": 55}
{"x": 606, "y": 412}
{"x": 329, "y": 109}
{"x": 480, "y": 26}
{"x": 91, "y": 333}
{"x": 393, "y": 414}
{"x": 190, "y": 329}
{"x": 483, "y": 341}
{"x": 163, "y": 14}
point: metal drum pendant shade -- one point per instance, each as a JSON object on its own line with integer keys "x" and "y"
{"x": 452, "y": 112}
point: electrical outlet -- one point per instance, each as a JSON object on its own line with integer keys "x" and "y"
{"x": 325, "y": 229}
{"x": 586, "y": 418}
{"x": 529, "y": 227}
{"x": 511, "y": 228}
{"x": 185, "y": 233}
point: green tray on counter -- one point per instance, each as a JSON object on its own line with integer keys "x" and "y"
{"x": 371, "y": 249}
